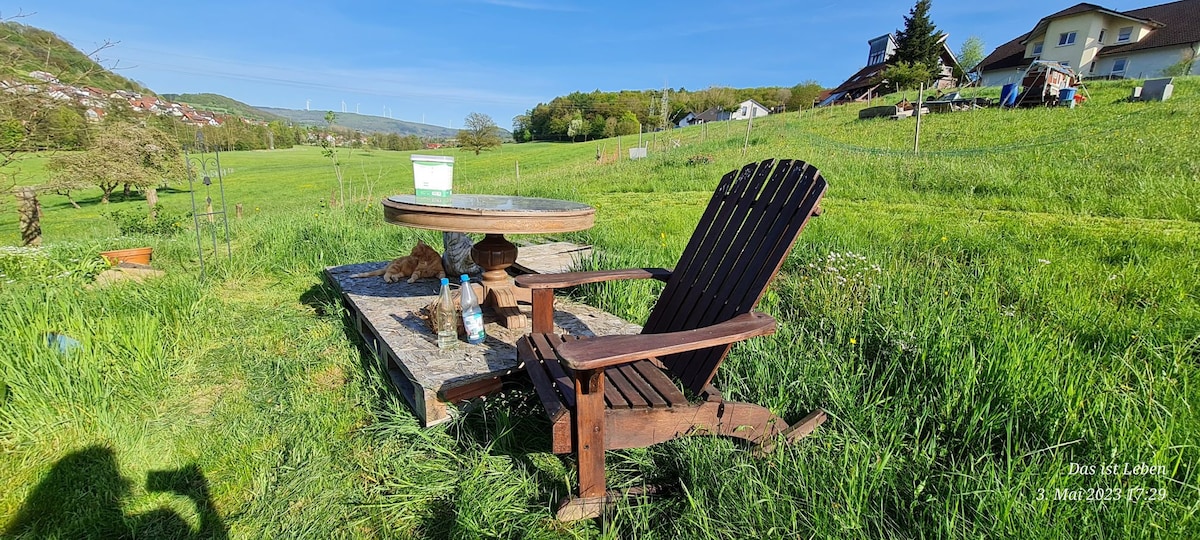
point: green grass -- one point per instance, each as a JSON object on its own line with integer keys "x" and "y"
{"x": 1020, "y": 297}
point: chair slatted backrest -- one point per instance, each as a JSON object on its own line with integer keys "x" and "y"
{"x": 740, "y": 243}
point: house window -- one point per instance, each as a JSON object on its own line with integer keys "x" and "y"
{"x": 876, "y": 58}
{"x": 1066, "y": 38}
{"x": 1037, "y": 48}
{"x": 1101, "y": 38}
{"x": 1124, "y": 34}
{"x": 1119, "y": 66}
{"x": 743, "y": 111}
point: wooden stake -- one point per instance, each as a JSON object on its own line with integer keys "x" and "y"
{"x": 746, "y": 145}
{"x": 917, "y": 135}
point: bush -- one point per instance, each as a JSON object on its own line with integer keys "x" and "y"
{"x": 167, "y": 223}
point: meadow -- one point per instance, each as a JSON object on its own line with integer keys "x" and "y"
{"x": 996, "y": 327}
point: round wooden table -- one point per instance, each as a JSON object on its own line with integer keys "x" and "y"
{"x": 494, "y": 216}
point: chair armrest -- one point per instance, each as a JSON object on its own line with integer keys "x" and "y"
{"x": 605, "y": 351}
{"x": 570, "y": 279}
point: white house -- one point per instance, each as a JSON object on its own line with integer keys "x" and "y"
{"x": 687, "y": 120}
{"x": 749, "y": 109}
{"x": 1100, "y": 42}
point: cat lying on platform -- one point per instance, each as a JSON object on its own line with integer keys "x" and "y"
{"x": 422, "y": 263}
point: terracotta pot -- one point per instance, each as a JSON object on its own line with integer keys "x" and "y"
{"x": 131, "y": 255}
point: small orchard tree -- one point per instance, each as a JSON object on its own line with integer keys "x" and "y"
{"x": 480, "y": 133}
{"x": 1183, "y": 67}
{"x": 970, "y": 54}
{"x": 120, "y": 153}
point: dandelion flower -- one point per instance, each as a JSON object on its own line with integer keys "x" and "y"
{"x": 944, "y": 239}
{"x": 853, "y": 341}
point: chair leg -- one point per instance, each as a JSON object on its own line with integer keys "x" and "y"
{"x": 805, "y": 426}
{"x": 589, "y": 448}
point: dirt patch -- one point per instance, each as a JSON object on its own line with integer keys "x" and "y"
{"x": 330, "y": 378}
{"x": 202, "y": 401}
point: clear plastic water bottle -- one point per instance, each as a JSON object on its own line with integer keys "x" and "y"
{"x": 472, "y": 315}
{"x": 447, "y": 328}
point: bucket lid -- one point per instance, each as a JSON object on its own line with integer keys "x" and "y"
{"x": 432, "y": 159}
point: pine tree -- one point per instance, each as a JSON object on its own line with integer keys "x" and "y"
{"x": 918, "y": 42}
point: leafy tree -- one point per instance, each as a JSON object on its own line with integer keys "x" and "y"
{"x": 628, "y": 124}
{"x": 520, "y": 128}
{"x": 480, "y": 133}
{"x": 803, "y": 95}
{"x": 970, "y": 54}
{"x": 120, "y": 153}
{"x": 918, "y": 43}
{"x": 610, "y": 126}
{"x": 576, "y": 127}
{"x": 905, "y": 75}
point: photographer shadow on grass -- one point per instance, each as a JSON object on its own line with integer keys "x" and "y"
{"x": 83, "y": 494}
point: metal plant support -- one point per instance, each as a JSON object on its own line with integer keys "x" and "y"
{"x": 203, "y": 168}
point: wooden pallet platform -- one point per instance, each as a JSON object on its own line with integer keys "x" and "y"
{"x": 432, "y": 381}
{"x": 551, "y": 258}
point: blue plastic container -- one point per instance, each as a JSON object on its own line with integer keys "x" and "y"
{"x": 1008, "y": 95}
{"x": 1066, "y": 94}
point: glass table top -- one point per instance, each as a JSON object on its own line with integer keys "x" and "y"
{"x": 497, "y": 203}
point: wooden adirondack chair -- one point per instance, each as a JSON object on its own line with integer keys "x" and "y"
{"x": 611, "y": 392}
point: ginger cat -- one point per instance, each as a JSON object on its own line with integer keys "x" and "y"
{"x": 422, "y": 263}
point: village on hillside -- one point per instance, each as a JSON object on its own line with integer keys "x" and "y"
{"x": 97, "y": 101}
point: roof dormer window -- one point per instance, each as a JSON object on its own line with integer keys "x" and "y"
{"x": 1066, "y": 38}
{"x": 1037, "y": 48}
{"x": 1124, "y": 35}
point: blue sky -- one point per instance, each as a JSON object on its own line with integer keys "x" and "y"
{"x": 436, "y": 62}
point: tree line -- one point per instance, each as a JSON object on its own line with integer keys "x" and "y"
{"x": 594, "y": 115}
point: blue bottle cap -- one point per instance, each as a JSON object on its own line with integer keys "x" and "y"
{"x": 445, "y": 281}
{"x": 465, "y": 277}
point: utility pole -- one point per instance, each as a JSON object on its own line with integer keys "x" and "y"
{"x": 666, "y": 115}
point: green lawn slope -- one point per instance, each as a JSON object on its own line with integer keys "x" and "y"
{"x": 997, "y": 327}
{"x": 222, "y": 105}
{"x": 26, "y": 49}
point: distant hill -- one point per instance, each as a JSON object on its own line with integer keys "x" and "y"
{"x": 27, "y": 49}
{"x": 366, "y": 123}
{"x": 223, "y": 105}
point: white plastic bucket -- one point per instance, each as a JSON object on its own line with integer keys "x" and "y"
{"x": 433, "y": 176}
